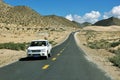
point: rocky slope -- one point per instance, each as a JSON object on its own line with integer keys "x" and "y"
{"x": 108, "y": 22}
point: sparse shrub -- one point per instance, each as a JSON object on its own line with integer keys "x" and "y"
{"x": 115, "y": 60}
{"x": 102, "y": 44}
{"x": 7, "y": 28}
{"x": 28, "y": 28}
{"x": 13, "y": 46}
{"x": 116, "y": 51}
{"x": 114, "y": 44}
{"x": 53, "y": 42}
{"x": 111, "y": 50}
{"x": 53, "y": 29}
{"x": 84, "y": 44}
{"x": 90, "y": 35}
{"x": 92, "y": 45}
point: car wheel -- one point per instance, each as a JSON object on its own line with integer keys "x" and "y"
{"x": 49, "y": 55}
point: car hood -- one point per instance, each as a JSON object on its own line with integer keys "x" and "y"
{"x": 37, "y": 48}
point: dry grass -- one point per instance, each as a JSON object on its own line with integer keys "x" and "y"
{"x": 100, "y": 56}
{"x": 14, "y": 33}
{"x": 101, "y": 28}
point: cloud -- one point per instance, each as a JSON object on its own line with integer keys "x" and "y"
{"x": 115, "y": 11}
{"x": 91, "y": 17}
{"x": 69, "y": 17}
{"x": 106, "y": 15}
{"x": 78, "y": 18}
{"x": 94, "y": 16}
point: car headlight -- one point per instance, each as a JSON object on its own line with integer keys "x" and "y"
{"x": 28, "y": 50}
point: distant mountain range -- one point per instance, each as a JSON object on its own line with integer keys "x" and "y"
{"x": 83, "y": 24}
{"x": 86, "y": 24}
{"x": 105, "y": 22}
{"x": 25, "y": 16}
{"x": 108, "y": 22}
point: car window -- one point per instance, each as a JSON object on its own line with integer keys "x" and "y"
{"x": 38, "y": 43}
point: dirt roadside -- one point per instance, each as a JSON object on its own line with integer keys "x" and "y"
{"x": 99, "y": 57}
{"x": 10, "y": 56}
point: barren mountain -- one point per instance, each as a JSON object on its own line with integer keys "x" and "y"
{"x": 25, "y": 16}
{"x": 23, "y": 24}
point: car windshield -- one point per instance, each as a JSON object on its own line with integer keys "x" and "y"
{"x": 38, "y": 43}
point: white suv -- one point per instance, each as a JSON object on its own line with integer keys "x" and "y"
{"x": 39, "y": 48}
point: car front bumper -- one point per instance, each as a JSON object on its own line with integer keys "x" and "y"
{"x": 36, "y": 54}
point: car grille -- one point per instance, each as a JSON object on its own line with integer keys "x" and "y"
{"x": 36, "y": 50}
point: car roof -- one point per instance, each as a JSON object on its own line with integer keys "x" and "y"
{"x": 39, "y": 40}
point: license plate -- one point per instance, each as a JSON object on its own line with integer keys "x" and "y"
{"x": 36, "y": 55}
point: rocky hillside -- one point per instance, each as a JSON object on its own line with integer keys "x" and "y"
{"x": 4, "y": 8}
{"x": 57, "y": 20}
{"x": 19, "y": 15}
{"x": 25, "y": 16}
{"x": 108, "y": 22}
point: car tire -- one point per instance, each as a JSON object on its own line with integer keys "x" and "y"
{"x": 49, "y": 55}
{"x": 46, "y": 57}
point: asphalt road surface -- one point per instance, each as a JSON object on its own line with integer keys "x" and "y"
{"x": 67, "y": 63}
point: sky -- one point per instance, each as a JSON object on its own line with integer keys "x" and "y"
{"x": 74, "y": 10}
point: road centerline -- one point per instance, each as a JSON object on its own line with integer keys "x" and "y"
{"x": 45, "y": 67}
{"x": 53, "y": 59}
{"x": 58, "y": 54}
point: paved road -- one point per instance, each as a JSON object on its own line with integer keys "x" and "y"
{"x": 67, "y": 63}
